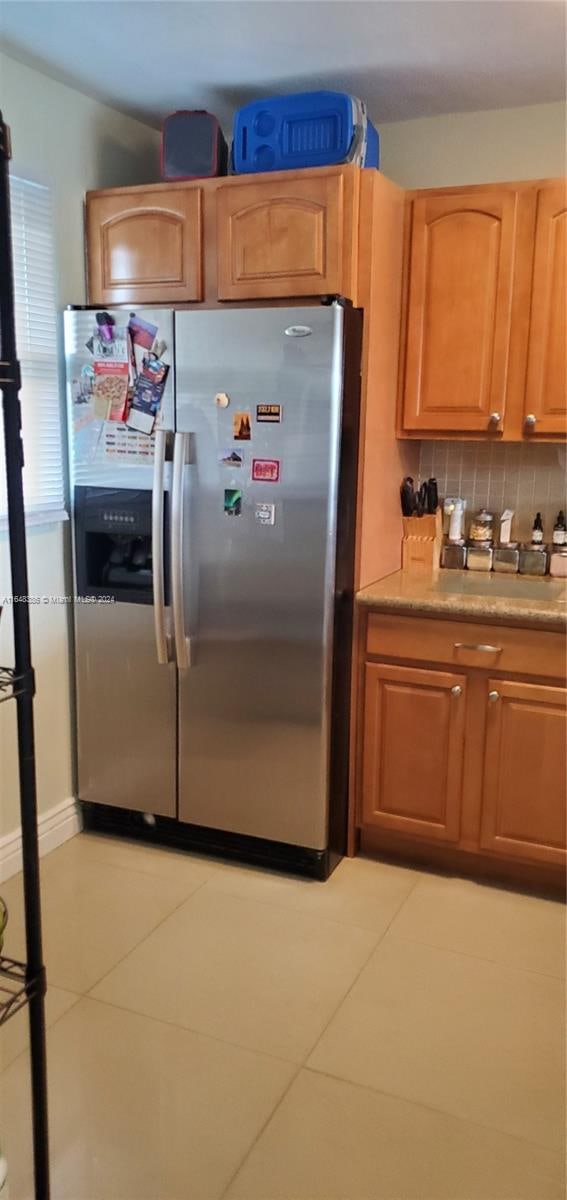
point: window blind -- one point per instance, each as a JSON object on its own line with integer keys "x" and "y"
{"x": 36, "y": 335}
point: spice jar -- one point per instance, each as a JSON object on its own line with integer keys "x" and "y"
{"x": 558, "y": 564}
{"x": 506, "y": 559}
{"x": 533, "y": 560}
{"x": 454, "y": 556}
{"x": 482, "y": 526}
{"x": 479, "y": 558}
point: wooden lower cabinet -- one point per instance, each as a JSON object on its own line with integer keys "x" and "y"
{"x": 524, "y": 799}
{"x": 460, "y": 764}
{"x": 413, "y": 750}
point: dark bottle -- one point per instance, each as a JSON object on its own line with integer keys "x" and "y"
{"x": 537, "y": 531}
{"x": 560, "y": 530}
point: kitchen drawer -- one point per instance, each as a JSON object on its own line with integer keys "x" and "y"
{"x": 463, "y": 644}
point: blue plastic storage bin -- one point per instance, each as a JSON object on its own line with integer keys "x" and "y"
{"x": 308, "y": 129}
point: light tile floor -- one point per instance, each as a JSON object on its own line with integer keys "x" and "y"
{"x": 222, "y": 1032}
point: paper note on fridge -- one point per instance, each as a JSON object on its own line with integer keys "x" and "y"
{"x": 142, "y": 332}
{"x": 148, "y": 391}
{"x": 110, "y": 390}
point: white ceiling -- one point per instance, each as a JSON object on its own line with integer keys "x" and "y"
{"x": 407, "y": 58}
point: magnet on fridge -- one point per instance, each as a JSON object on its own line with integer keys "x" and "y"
{"x": 222, "y": 400}
{"x": 105, "y": 322}
{"x": 231, "y": 457}
{"x": 241, "y": 427}
{"x": 233, "y": 502}
{"x": 269, "y": 414}
{"x": 142, "y": 332}
{"x": 266, "y": 470}
{"x": 265, "y": 514}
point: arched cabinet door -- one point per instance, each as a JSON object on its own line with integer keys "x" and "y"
{"x": 144, "y": 245}
{"x": 524, "y": 791}
{"x": 286, "y": 236}
{"x": 545, "y": 410}
{"x": 414, "y": 729}
{"x": 461, "y": 275}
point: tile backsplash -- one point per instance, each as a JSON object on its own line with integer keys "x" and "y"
{"x": 529, "y": 478}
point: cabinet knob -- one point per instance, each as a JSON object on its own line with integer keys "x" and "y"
{"x": 530, "y": 420}
{"x": 495, "y": 418}
{"x": 456, "y": 690}
{"x": 493, "y": 697}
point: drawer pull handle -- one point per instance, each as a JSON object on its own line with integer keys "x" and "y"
{"x": 482, "y": 646}
{"x": 493, "y": 697}
{"x": 457, "y": 690}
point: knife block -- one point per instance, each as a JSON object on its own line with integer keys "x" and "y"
{"x": 421, "y": 545}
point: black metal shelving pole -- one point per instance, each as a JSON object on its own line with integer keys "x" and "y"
{"x": 35, "y": 972}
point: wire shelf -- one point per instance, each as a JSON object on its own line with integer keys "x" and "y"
{"x": 16, "y": 986}
{"x": 11, "y": 684}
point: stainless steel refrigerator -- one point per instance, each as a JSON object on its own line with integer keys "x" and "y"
{"x": 214, "y": 578}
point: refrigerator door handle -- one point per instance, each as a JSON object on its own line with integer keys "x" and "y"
{"x": 157, "y": 547}
{"x": 182, "y": 644}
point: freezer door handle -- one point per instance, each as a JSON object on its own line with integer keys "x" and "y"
{"x": 157, "y": 547}
{"x": 182, "y": 645}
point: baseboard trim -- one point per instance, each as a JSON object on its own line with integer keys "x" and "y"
{"x": 55, "y": 826}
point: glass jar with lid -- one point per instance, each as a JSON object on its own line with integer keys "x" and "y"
{"x": 482, "y": 527}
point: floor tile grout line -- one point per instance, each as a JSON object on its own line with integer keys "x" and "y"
{"x": 48, "y": 1027}
{"x": 403, "y": 1099}
{"x": 494, "y": 962}
{"x": 443, "y": 1112}
{"x": 212, "y": 1037}
{"x": 219, "y": 869}
{"x": 304, "y": 911}
{"x": 144, "y": 938}
{"x": 308, "y": 1055}
{"x": 227, "y": 1041}
{"x": 103, "y": 862}
{"x": 261, "y": 1130}
{"x": 359, "y": 973}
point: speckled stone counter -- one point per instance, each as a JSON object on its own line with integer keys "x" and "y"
{"x": 507, "y": 599}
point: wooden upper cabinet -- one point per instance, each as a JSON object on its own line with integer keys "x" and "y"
{"x": 413, "y": 750}
{"x": 461, "y": 272}
{"x": 524, "y": 799}
{"x": 144, "y": 245}
{"x": 287, "y": 235}
{"x": 546, "y": 384}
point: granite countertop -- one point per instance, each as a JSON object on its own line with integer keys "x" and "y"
{"x": 508, "y": 599}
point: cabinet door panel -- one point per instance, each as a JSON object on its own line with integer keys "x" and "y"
{"x": 524, "y": 795}
{"x": 459, "y": 311}
{"x": 546, "y": 386}
{"x": 413, "y": 750}
{"x": 285, "y": 237}
{"x": 145, "y": 246}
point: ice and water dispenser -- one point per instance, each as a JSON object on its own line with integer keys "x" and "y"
{"x": 113, "y": 531}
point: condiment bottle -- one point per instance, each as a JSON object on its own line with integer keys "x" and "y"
{"x": 559, "y": 537}
{"x": 457, "y": 520}
{"x": 537, "y": 531}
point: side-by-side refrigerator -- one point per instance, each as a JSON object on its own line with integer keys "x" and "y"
{"x": 213, "y": 566}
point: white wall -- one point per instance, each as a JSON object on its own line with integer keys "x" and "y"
{"x": 73, "y": 143}
{"x": 480, "y": 147}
